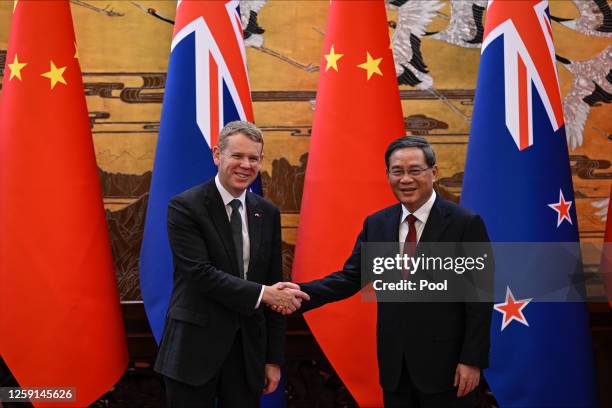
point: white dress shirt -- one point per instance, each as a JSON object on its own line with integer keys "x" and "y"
{"x": 227, "y": 198}
{"x": 421, "y": 214}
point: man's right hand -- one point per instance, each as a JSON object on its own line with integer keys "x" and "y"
{"x": 284, "y": 297}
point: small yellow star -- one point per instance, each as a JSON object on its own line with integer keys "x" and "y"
{"x": 56, "y": 75}
{"x": 76, "y": 51}
{"x": 16, "y": 68}
{"x": 332, "y": 59}
{"x": 371, "y": 65}
{"x": 15, "y": 5}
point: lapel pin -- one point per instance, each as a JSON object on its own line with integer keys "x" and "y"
{"x": 257, "y": 214}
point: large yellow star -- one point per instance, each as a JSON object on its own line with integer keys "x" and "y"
{"x": 15, "y": 5}
{"x": 332, "y": 59}
{"x": 371, "y": 65}
{"x": 16, "y": 68}
{"x": 55, "y": 74}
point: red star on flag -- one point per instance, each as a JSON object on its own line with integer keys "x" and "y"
{"x": 562, "y": 208}
{"x": 512, "y": 309}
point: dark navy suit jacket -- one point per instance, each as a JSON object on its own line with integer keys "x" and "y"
{"x": 211, "y": 303}
{"x": 431, "y": 337}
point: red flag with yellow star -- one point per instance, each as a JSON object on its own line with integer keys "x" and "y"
{"x": 61, "y": 318}
{"x": 358, "y": 113}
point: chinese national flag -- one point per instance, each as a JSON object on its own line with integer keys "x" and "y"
{"x": 357, "y": 114}
{"x": 60, "y": 316}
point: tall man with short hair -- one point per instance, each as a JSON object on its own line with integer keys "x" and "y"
{"x": 429, "y": 354}
{"x": 219, "y": 343}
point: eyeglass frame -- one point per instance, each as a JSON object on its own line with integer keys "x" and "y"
{"x": 412, "y": 172}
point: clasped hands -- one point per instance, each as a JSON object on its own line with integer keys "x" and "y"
{"x": 284, "y": 297}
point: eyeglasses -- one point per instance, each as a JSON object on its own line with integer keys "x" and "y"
{"x": 412, "y": 172}
{"x": 253, "y": 160}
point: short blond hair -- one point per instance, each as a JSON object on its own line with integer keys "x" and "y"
{"x": 240, "y": 126}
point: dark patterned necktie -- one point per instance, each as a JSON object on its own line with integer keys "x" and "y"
{"x": 236, "y": 224}
{"x": 410, "y": 242}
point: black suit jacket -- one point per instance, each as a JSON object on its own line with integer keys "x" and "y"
{"x": 210, "y": 303}
{"x": 431, "y": 337}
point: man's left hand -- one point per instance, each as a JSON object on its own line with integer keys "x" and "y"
{"x": 467, "y": 378}
{"x": 273, "y": 376}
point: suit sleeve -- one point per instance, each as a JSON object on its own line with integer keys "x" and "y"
{"x": 338, "y": 285}
{"x": 191, "y": 258}
{"x": 275, "y": 322}
{"x": 476, "y": 343}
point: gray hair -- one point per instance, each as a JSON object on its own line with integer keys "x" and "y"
{"x": 240, "y": 126}
{"x": 411, "y": 141}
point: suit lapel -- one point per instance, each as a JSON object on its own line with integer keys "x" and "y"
{"x": 218, "y": 214}
{"x": 390, "y": 233}
{"x": 434, "y": 227}
{"x": 436, "y": 222}
{"x": 255, "y": 219}
{"x": 391, "y": 228}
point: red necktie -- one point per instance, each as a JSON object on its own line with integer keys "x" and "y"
{"x": 410, "y": 242}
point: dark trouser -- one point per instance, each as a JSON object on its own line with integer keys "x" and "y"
{"x": 229, "y": 387}
{"x": 406, "y": 395}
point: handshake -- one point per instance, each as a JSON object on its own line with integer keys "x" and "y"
{"x": 284, "y": 297}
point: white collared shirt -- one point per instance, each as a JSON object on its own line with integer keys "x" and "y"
{"x": 227, "y": 197}
{"x": 421, "y": 214}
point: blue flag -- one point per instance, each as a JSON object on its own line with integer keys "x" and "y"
{"x": 207, "y": 87}
{"x": 517, "y": 176}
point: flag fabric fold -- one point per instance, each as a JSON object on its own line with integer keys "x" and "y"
{"x": 61, "y": 317}
{"x": 357, "y": 114}
{"x": 518, "y": 177}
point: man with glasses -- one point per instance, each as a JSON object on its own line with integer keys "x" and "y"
{"x": 429, "y": 354}
{"x": 220, "y": 345}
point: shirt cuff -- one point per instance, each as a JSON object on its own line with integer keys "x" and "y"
{"x": 260, "y": 297}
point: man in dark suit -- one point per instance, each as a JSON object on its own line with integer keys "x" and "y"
{"x": 430, "y": 354}
{"x": 219, "y": 342}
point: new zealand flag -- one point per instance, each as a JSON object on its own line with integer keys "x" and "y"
{"x": 517, "y": 176}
